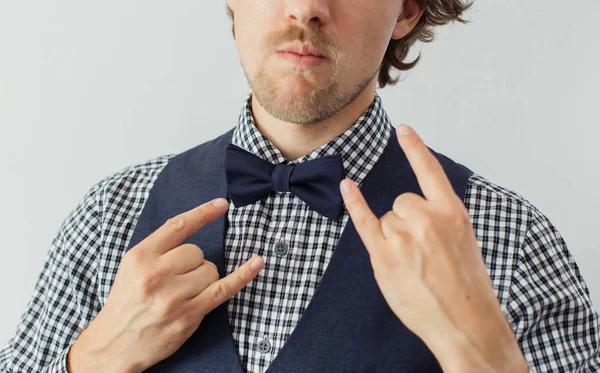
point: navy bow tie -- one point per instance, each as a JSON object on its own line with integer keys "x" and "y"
{"x": 316, "y": 182}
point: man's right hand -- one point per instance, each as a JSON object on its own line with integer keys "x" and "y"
{"x": 161, "y": 293}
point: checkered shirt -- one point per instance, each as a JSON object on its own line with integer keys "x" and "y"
{"x": 535, "y": 277}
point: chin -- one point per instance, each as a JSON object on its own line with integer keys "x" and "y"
{"x": 291, "y": 93}
{"x": 296, "y": 98}
{"x": 299, "y": 86}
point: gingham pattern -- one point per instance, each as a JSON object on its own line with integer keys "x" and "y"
{"x": 270, "y": 306}
{"x": 540, "y": 289}
{"x": 79, "y": 270}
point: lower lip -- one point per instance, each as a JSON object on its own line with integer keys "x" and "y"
{"x": 301, "y": 60}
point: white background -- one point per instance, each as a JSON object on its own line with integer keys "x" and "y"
{"x": 88, "y": 88}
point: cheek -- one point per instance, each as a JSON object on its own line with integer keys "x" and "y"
{"x": 378, "y": 47}
{"x": 247, "y": 42}
{"x": 251, "y": 35}
{"x": 365, "y": 42}
{"x": 365, "y": 54}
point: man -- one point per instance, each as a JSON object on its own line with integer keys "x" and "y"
{"x": 313, "y": 237}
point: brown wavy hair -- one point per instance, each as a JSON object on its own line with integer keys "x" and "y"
{"x": 437, "y": 13}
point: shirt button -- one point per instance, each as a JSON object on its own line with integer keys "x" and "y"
{"x": 281, "y": 248}
{"x": 264, "y": 346}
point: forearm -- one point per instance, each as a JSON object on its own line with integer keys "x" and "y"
{"x": 496, "y": 352}
{"x": 88, "y": 354}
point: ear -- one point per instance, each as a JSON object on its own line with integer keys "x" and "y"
{"x": 410, "y": 15}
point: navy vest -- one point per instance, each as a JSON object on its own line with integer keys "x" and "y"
{"x": 347, "y": 326}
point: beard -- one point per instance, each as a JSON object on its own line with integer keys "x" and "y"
{"x": 320, "y": 103}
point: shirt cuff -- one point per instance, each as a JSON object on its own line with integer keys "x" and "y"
{"x": 59, "y": 364}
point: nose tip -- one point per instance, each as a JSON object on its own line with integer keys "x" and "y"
{"x": 309, "y": 13}
{"x": 315, "y": 20}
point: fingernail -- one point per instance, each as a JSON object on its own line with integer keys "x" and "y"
{"x": 220, "y": 203}
{"x": 346, "y": 188}
{"x": 404, "y": 130}
{"x": 256, "y": 263}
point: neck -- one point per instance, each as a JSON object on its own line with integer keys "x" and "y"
{"x": 296, "y": 140}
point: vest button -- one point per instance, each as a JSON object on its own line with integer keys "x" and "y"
{"x": 281, "y": 249}
{"x": 264, "y": 346}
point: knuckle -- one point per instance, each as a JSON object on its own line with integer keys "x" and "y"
{"x": 149, "y": 282}
{"x": 406, "y": 202}
{"x": 195, "y": 252}
{"x": 398, "y": 203}
{"x": 213, "y": 273}
{"x": 191, "y": 246}
{"x": 239, "y": 278}
{"x": 204, "y": 209}
{"x": 164, "y": 307}
{"x": 403, "y": 198}
{"x": 365, "y": 220}
{"x": 212, "y": 267}
{"x": 199, "y": 257}
{"x": 385, "y": 216}
{"x": 387, "y": 221}
{"x": 221, "y": 291}
{"x": 181, "y": 326}
{"x": 199, "y": 254}
{"x": 461, "y": 221}
{"x": 176, "y": 223}
{"x": 401, "y": 239}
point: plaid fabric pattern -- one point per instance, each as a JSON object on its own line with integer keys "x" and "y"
{"x": 538, "y": 283}
{"x": 266, "y": 311}
{"x": 79, "y": 269}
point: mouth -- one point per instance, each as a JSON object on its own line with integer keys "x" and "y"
{"x": 301, "y": 60}
{"x": 302, "y": 49}
{"x": 302, "y": 55}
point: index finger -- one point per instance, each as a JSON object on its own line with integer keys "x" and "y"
{"x": 178, "y": 228}
{"x": 366, "y": 223}
{"x": 222, "y": 290}
{"x": 431, "y": 176}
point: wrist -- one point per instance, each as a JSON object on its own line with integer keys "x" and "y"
{"x": 86, "y": 356}
{"x": 494, "y": 353}
{"x": 467, "y": 359}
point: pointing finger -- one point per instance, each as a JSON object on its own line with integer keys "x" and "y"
{"x": 366, "y": 223}
{"x": 222, "y": 290}
{"x": 178, "y": 228}
{"x": 431, "y": 176}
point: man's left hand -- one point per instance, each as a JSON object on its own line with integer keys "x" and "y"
{"x": 430, "y": 270}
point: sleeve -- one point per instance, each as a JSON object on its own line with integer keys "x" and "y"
{"x": 549, "y": 305}
{"x": 64, "y": 297}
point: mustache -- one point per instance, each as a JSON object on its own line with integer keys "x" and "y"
{"x": 314, "y": 36}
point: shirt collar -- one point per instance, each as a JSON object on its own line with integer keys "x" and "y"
{"x": 360, "y": 145}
